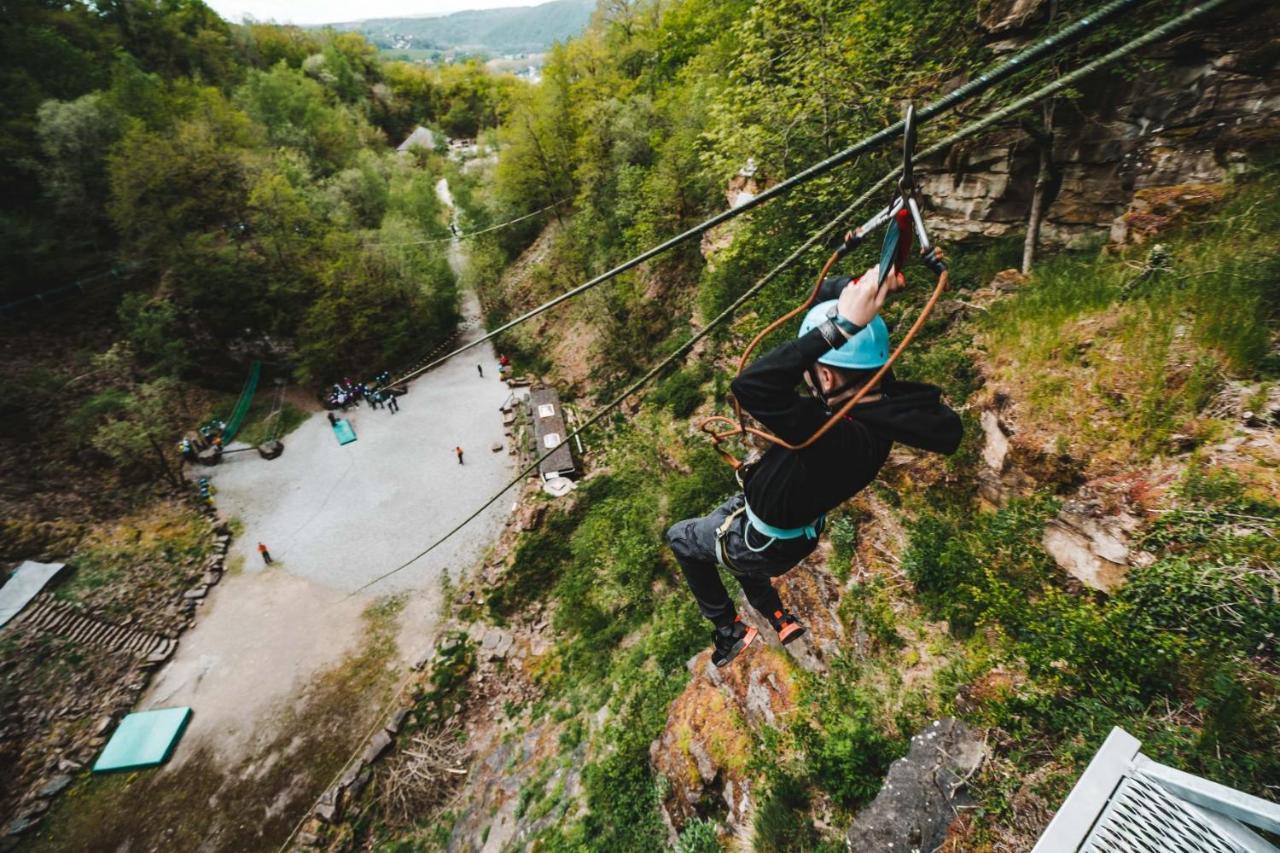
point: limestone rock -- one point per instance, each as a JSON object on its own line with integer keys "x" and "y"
{"x": 702, "y": 751}
{"x": 1156, "y": 209}
{"x": 1000, "y": 16}
{"x": 1007, "y": 281}
{"x": 995, "y": 449}
{"x": 921, "y": 792}
{"x": 378, "y": 745}
{"x": 1213, "y": 104}
{"x": 54, "y": 786}
{"x": 1091, "y": 544}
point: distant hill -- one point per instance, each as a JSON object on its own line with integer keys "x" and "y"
{"x": 530, "y": 29}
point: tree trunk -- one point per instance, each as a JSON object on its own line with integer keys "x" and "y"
{"x": 164, "y": 463}
{"x": 1043, "y": 175}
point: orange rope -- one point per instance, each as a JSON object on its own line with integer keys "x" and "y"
{"x": 738, "y": 427}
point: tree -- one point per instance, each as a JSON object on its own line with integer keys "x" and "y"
{"x": 75, "y": 137}
{"x": 153, "y": 325}
{"x": 142, "y": 422}
{"x": 164, "y": 187}
{"x": 294, "y": 111}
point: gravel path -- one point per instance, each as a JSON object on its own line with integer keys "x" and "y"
{"x": 342, "y": 515}
{"x": 334, "y": 518}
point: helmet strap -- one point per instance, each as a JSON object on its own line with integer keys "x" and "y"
{"x": 833, "y": 397}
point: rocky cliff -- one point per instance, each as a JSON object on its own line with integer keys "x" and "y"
{"x": 1190, "y": 111}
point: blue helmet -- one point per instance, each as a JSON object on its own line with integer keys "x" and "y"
{"x": 866, "y": 350}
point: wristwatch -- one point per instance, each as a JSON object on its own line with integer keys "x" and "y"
{"x": 849, "y": 327}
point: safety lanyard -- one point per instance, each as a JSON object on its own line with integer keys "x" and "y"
{"x": 901, "y": 215}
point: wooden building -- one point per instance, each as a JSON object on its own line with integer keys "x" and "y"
{"x": 549, "y": 430}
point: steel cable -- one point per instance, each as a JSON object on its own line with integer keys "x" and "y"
{"x": 983, "y": 82}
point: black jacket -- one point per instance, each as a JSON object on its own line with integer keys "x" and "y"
{"x": 790, "y": 488}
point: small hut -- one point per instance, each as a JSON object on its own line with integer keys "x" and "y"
{"x": 549, "y": 430}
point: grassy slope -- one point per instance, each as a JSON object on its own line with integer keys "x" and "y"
{"x": 1184, "y": 657}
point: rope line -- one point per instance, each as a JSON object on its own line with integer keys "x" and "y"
{"x": 983, "y": 82}
{"x": 116, "y": 272}
{"x": 969, "y": 130}
{"x": 471, "y": 234}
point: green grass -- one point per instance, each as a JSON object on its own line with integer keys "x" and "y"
{"x": 1121, "y": 360}
{"x": 261, "y": 425}
{"x": 1183, "y": 656}
{"x": 155, "y": 554}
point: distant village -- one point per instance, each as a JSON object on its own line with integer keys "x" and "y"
{"x": 526, "y": 66}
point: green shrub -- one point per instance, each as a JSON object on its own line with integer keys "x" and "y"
{"x": 681, "y": 392}
{"x": 540, "y": 558}
{"x": 842, "y": 527}
{"x": 848, "y": 752}
{"x": 782, "y": 821}
{"x": 699, "y": 836}
{"x": 447, "y": 684}
{"x": 868, "y": 606}
{"x": 709, "y": 483}
{"x": 1232, "y": 607}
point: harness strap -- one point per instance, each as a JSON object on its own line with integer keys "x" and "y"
{"x": 721, "y": 557}
{"x": 809, "y": 531}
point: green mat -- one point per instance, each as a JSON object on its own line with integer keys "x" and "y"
{"x": 144, "y": 739}
{"x": 344, "y": 432}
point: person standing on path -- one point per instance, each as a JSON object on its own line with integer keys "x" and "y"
{"x": 266, "y": 555}
{"x": 458, "y": 450}
{"x": 392, "y": 403}
{"x": 480, "y": 370}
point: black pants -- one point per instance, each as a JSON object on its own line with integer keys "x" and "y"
{"x": 753, "y": 560}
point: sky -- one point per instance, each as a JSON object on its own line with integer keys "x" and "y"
{"x": 336, "y": 11}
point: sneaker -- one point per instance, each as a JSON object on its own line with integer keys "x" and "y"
{"x": 730, "y": 640}
{"x": 787, "y": 627}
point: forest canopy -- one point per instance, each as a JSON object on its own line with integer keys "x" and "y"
{"x": 242, "y": 179}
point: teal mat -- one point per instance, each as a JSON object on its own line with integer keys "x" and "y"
{"x": 344, "y": 432}
{"x": 144, "y": 739}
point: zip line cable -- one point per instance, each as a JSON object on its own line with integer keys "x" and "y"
{"x": 116, "y": 272}
{"x": 1043, "y": 92}
{"x": 470, "y": 234}
{"x": 1148, "y": 38}
{"x": 634, "y": 387}
{"x": 981, "y": 83}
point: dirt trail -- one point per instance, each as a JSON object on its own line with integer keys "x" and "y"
{"x": 335, "y": 518}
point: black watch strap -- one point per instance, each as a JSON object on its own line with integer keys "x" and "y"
{"x": 850, "y": 328}
{"x": 831, "y": 334}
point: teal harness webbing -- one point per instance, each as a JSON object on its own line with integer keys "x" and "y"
{"x": 809, "y": 530}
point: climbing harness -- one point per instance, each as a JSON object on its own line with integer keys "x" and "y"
{"x": 902, "y": 215}
{"x": 809, "y": 531}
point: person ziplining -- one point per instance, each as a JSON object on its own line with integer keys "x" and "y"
{"x": 827, "y": 444}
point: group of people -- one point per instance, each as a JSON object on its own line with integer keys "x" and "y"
{"x": 208, "y": 435}
{"x": 377, "y": 392}
{"x": 504, "y": 364}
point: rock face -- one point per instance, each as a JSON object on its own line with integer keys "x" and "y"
{"x": 1215, "y": 100}
{"x": 922, "y": 791}
{"x": 704, "y": 750}
{"x": 1091, "y": 543}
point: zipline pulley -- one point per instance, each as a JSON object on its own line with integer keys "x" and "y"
{"x": 903, "y": 216}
